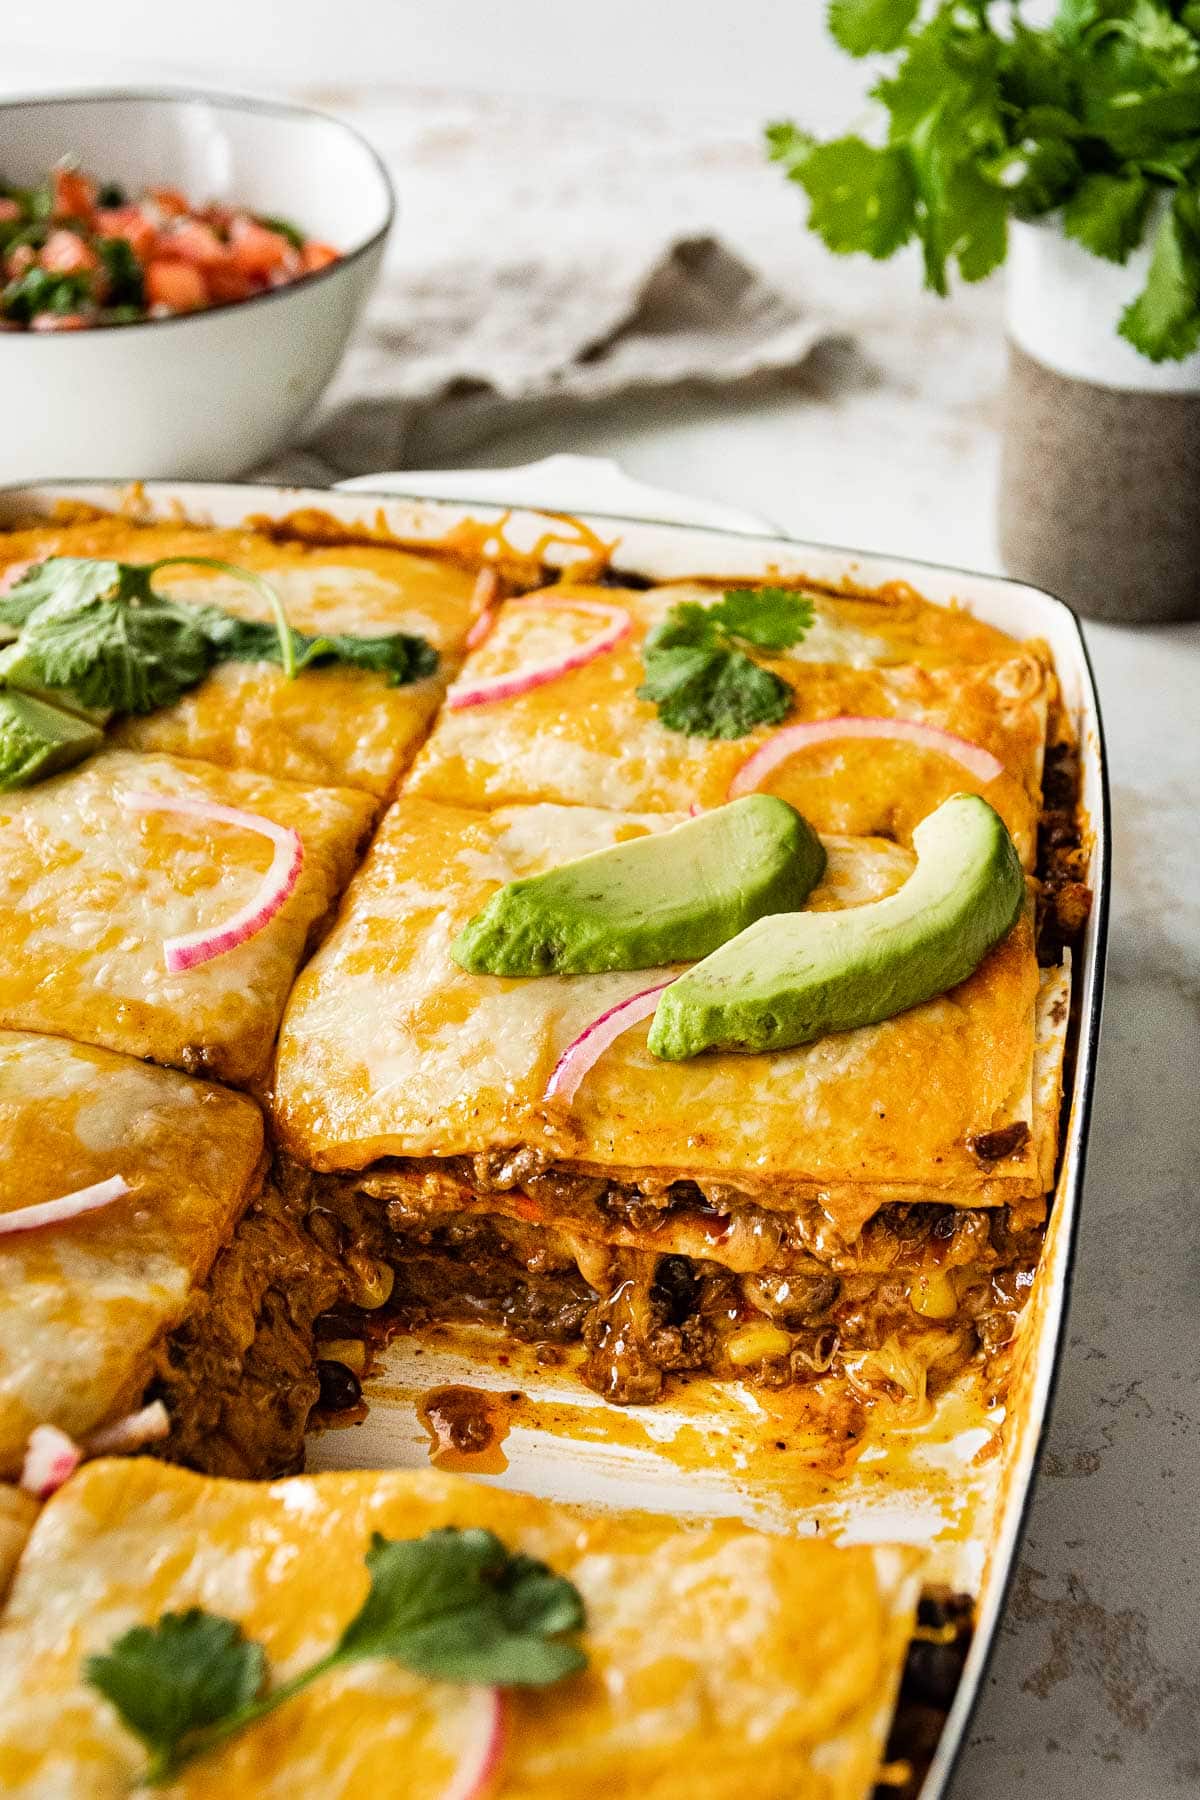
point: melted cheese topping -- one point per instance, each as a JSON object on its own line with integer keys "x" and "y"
{"x": 721, "y": 1660}
{"x": 83, "y": 1304}
{"x": 332, "y": 727}
{"x": 587, "y": 738}
{"x": 89, "y": 890}
{"x": 389, "y": 1048}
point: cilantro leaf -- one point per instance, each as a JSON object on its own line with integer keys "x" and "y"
{"x": 771, "y": 617}
{"x": 700, "y": 679}
{"x": 188, "y": 1671}
{"x": 1164, "y": 321}
{"x": 726, "y": 696}
{"x": 70, "y": 582}
{"x": 864, "y": 27}
{"x": 1034, "y": 174}
{"x": 861, "y": 198}
{"x": 453, "y": 1605}
{"x": 109, "y": 654}
{"x": 402, "y": 656}
{"x": 1107, "y": 214}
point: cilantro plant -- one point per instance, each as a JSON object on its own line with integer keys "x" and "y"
{"x": 700, "y": 677}
{"x": 987, "y": 118}
{"x": 453, "y": 1606}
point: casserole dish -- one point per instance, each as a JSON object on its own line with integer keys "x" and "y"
{"x": 956, "y": 1482}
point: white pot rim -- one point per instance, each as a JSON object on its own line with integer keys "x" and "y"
{"x": 1064, "y": 305}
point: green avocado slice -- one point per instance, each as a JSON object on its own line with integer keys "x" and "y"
{"x": 37, "y": 739}
{"x": 793, "y": 978}
{"x": 667, "y": 897}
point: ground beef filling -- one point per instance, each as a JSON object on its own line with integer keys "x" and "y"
{"x": 238, "y": 1374}
{"x": 642, "y": 1314}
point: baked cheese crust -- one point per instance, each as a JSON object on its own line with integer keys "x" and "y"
{"x": 89, "y": 890}
{"x": 84, "y": 1303}
{"x": 721, "y": 1660}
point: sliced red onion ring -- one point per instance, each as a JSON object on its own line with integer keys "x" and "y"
{"x": 476, "y": 1775}
{"x": 68, "y": 1206}
{"x": 595, "y": 1038}
{"x": 483, "y": 605}
{"x": 480, "y": 691}
{"x": 277, "y": 884}
{"x": 147, "y": 1426}
{"x": 981, "y": 763}
{"x": 51, "y": 1458}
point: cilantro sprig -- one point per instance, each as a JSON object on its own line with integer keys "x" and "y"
{"x": 97, "y": 636}
{"x": 988, "y": 118}
{"x": 700, "y": 677}
{"x": 453, "y": 1605}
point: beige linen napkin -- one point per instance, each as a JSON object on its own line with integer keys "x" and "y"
{"x": 452, "y": 354}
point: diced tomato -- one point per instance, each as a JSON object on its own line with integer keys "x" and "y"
{"x": 179, "y": 286}
{"x": 9, "y": 210}
{"x": 48, "y": 321}
{"x": 169, "y": 200}
{"x": 20, "y": 258}
{"x": 130, "y": 223}
{"x": 194, "y": 242}
{"x": 317, "y": 256}
{"x": 74, "y": 194}
{"x": 64, "y": 253}
{"x": 256, "y": 250}
{"x": 225, "y": 282}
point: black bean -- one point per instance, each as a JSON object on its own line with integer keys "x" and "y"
{"x": 340, "y": 1386}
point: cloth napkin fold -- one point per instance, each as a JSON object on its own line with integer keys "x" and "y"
{"x": 452, "y": 354}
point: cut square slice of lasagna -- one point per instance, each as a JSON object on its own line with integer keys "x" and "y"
{"x": 195, "y": 1285}
{"x": 718, "y": 1658}
{"x": 587, "y": 738}
{"x": 331, "y": 727}
{"x": 94, "y": 888}
{"x": 867, "y": 1202}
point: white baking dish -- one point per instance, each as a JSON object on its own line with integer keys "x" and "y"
{"x": 966, "y": 1510}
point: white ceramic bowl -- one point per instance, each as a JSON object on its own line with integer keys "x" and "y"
{"x": 204, "y": 394}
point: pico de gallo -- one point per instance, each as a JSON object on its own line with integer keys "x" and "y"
{"x": 75, "y": 251}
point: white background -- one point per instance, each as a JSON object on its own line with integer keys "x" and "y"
{"x": 771, "y": 54}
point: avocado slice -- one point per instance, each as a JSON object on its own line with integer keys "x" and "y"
{"x": 793, "y": 978}
{"x": 663, "y": 898}
{"x": 37, "y": 739}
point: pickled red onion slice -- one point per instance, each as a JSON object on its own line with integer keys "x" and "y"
{"x": 595, "y": 1038}
{"x": 51, "y": 1458}
{"x": 67, "y": 1206}
{"x": 979, "y": 762}
{"x": 481, "y": 690}
{"x": 483, "y": 604}
{"x": 277, "y": 884}
{"x": 476, "y": 1775}
{"x": 146, "y": 1426}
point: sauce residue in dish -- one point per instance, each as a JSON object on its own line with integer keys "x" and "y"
{"x": 467, "y": 1427}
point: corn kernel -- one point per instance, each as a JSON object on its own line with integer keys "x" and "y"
{"x": 350, "y": 1351}
{"x": 373, "y": 1282}
{"x": 933, "y": 1296}
{"x": 755, "y": 1343}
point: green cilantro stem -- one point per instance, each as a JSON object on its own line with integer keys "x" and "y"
{"x": 269, "y": 592}
{"x": 166, "y": 1764}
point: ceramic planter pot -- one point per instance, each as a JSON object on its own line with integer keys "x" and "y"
{"x": 1100, "y": 477}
